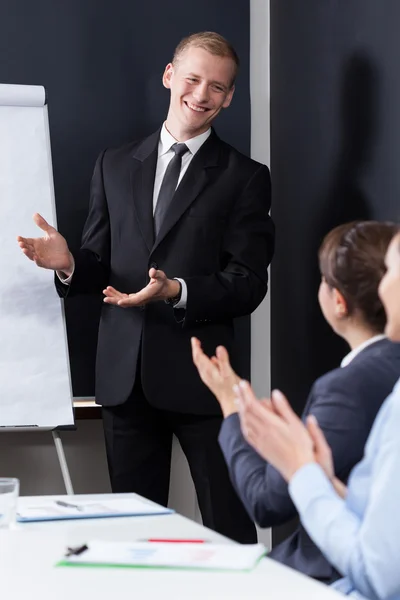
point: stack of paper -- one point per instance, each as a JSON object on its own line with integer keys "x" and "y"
{"x": 233, "y": 557}
{"x": 64, "y": 508}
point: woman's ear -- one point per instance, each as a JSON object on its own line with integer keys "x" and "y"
{"x": 340, "y": 306}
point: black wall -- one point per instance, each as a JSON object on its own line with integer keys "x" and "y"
{"x": 101, "y": 63}
{"x": 335, "y": 148}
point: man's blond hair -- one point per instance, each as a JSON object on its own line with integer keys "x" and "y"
{"x": 213, "y": 43}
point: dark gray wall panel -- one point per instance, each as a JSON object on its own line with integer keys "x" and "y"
{"x": 335, "y": 143}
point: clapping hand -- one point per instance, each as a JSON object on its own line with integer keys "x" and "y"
{"x": 280, "y": 437}
{"x": 323, "y": 455}
{"x": 274, "y": 431}
{"x": 217, "y": 374}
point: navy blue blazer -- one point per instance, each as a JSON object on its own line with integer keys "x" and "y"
{"x": 345, "y": 401}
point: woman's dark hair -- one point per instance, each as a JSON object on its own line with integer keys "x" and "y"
{"x": 351, "y": 259}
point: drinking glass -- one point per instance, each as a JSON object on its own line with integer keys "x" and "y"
{"x": 9, "y": 490}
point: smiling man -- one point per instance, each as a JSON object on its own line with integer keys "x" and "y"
{"x": 179, "y": 239}
{"x": 200, "y": 88}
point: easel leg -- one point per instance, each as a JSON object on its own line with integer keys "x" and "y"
{"x": 63, "y": 462}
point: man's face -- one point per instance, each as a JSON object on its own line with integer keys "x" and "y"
{"x": 201, "y": 85}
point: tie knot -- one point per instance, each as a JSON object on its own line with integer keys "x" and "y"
{"x": 180, "y": 149}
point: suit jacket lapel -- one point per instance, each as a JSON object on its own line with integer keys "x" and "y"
{"x": 143, "y": 173}
{"x": 199, "y": 174}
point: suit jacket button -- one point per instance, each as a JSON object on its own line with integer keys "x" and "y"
{"x": 154, "y": 265}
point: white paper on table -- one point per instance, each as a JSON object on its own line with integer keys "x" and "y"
{"x": 35, "y": 388}
{"x": 232, "y": 557}
{"x": 68, "y": 507}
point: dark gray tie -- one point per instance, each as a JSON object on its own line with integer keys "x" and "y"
{"x": 168, "y": 185}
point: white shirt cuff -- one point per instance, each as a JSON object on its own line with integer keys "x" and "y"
{"x": 66, "y": 280}
{"x": 183, "y": 301}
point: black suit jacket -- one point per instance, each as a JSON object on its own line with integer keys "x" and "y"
{"x": 217, "y": 236}
{"x": 345, "y": 402}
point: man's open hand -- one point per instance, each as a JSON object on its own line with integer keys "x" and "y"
{"x": 50, "y": 251}
{"x": 158, "y": 288}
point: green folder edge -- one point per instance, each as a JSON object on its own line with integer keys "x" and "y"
{"x": 65, "y": 563}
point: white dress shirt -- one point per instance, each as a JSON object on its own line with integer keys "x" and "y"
{"x": 165, "y": 155}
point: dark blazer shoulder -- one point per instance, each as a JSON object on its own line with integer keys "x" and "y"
{"x": 238, "y": 157}
{"x": 139, "y": 148}
{"x": 374, "y": 369}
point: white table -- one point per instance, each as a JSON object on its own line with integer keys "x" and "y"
{"x": 28, "y": 555}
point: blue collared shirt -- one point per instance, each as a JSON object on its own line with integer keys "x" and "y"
{"x": 360, "y": 535}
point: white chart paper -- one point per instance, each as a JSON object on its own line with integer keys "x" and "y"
{"x": 232, "y": 557}
{"x": 35, "y": 385}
